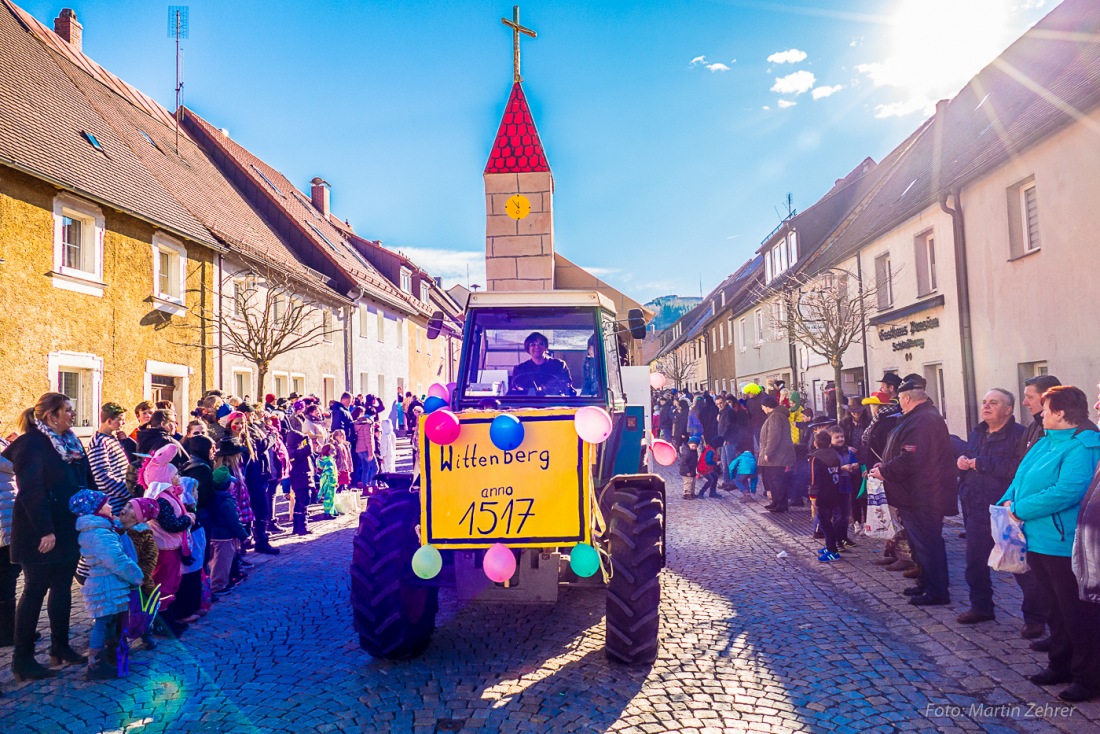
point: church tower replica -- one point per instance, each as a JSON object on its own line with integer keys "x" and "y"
{"x": 519, "y": 195}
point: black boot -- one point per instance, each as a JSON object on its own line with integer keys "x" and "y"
{"x": 62, "y": 654}
{"x": 25, "y": 667}
{"x": 300, "y": 524}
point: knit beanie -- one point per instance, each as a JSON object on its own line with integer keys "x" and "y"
{"x": 145, "y": 509}
{"x": 160, "y": 467}
{"x": 222, "y": 477}
{"x": 87, "y": 502}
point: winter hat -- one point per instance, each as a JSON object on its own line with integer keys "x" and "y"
{"x": 246, "y": 408}
{"x": 145, "y": 509}
{"x": 233, "y": 416}
{"x": 199, "y": 446}
{"x": 222, "y": 477}
{"x": 229, "y": 447}
{"x": 299, "y": 406}
{"x": 87, "y": 502}
{"x": 269, "y": 398}
{"x": 160, "y": 467}
{"x": 769, "y": 402}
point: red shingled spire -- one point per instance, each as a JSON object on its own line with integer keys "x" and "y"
{"x": 517, "y": 148}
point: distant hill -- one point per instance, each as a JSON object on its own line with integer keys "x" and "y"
{"x": 670, "y": 308}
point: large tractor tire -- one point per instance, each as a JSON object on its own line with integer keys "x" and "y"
{"x": 636, "y": 535}
{"x": 394, "y": 615}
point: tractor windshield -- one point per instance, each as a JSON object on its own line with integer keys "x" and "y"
{"x": 541, "y": 356}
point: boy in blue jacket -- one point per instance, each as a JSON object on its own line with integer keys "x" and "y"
{"x": 742, "y": 472}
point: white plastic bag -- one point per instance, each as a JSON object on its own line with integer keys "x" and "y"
{"x": 347, "y": 503}
{"x": 879, "y": 524}
{"x": 1009, "y": 544}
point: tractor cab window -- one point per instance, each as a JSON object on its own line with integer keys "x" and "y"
{"x": 534, "y": 354}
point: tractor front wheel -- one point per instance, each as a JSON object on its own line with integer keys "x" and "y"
{"x": 635, "y": 534}
{"x": 394, "y": 616}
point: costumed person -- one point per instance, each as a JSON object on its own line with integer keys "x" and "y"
{"x": 364, "y": 449}
{"x": 111, "y": 575}
{"x": 327, "y": 492}
{"x": 342, "y": 456}
{"x": 302, "y": 484}
{"x": 388, "y": 447}
{"x": 135, "y": 517}
{"x": 169, "y": 530}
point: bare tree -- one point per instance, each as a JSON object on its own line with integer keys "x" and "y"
{"x": 824, "y": 312}
{"x": 265, "y": 314}
{"x": 676, "y": 367}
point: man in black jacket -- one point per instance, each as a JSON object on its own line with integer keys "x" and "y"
{"x": 918, "y": 473}
{"x": 986, "y": 468}
{"x": 1034, "y": 387}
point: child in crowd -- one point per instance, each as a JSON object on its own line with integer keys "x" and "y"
{"x": 327, "y": 493}
{"x": 689, "y": 465}
{"x": 169, "y": 529}
{"x": 341, "y": 454}
{"x": 223, "y": 528}
{"x": 825, "y": 491}
{"x": 139, "y": 538}
{"x": 849, "y": 470}
{"x": 195, "y": 428}
{"x": 708, "y": 468}
{"x": 742, "y": 472}
{"x": 302, "y": 483}
{"x": 364, "y": 448}
{"x": 111, "y": 575}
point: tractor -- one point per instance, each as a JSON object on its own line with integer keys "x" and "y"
{"x": 547, "y": 359}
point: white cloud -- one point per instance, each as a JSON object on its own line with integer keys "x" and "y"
{"x": 451, "y": 265}
{"x": 823, "y": 92}
{"x": 790, "y": 56}
{"x": 796, "y": 83}
{"x": 766, "y": 108}
{"x": 717, "y": 66}
{"x": 785, "y": 103}
{"x": 924, "y": 105}
{"x": 855, "y": 42}
{"x": 699, "y": 60}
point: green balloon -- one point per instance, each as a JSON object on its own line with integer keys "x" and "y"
{"x": 426, "y": 562}
{"x": 584, "y": 560}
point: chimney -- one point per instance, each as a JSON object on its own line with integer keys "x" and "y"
{"x": 68, "y": 27}
{"x": 320, "y": 195}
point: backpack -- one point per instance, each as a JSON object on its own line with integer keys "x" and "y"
{"x": 704, "y": 467}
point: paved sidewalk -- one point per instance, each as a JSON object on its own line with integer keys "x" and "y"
{"x": 750, "y": 642}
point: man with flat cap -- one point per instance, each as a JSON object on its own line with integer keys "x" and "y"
{"x": 919, "y": 474}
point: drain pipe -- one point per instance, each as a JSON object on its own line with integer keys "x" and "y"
{"x": 962, "y": 288}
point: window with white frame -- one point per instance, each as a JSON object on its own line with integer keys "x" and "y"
{"x": 729, "y": 330}
{"x": 298, "y": 384}
{"x": 80, "y": 377}
{"x": 425, "y": 290}
{"x": 406, "y": 280}
{"x": 400, "y": 333}
{"x": 281, "y": 385}
{"x": 884, "y": 281}
{"x": 381, "y": 387}
{"x": 381, "y": 315}
{"x": 326, "y": 326}
{"x": 364, "y": 320}
{"x": 328, "y": 388}
{"x": 1023, "y": 218}
{"x": 78, "y": 245}
{"x": 779, "y": 317}
{"x": 169, "y": 274}
{"x": 713, "y": 340}
{"x": 242, "y": 383}
{"x": 759, "y": 317}
{"x": 792, "y": 247}
{"x": 364, "y": 383}
{"x": 927, "y": 278}
{"x": 721, "y": 337}
{"x": 741, "y": 334}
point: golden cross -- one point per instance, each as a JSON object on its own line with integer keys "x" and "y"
{"x": 516, "y": 30}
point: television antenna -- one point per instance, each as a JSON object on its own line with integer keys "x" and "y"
{"x": 179, "y": 29}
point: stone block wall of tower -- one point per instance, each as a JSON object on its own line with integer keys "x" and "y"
{"x": 519, "y": 253}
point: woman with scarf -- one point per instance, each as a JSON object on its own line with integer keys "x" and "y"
{"x": 50, "y": 467}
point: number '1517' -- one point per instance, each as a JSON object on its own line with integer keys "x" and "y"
{"x": 488, "y": 512}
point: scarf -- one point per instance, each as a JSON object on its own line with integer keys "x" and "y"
{"x": 66, "y": 444}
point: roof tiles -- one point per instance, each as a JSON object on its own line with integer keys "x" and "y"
{"x": 517, "y": 148}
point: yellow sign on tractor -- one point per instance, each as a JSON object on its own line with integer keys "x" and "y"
{"x": 537, "y": 495}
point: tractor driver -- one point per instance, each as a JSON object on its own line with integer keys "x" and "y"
{"x": 544, "y": 374}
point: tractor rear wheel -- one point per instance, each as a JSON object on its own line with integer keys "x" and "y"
{"x": 635, "y": 534}
{"x": 394, "y": 615}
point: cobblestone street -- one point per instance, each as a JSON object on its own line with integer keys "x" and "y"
{"x": 750, "y": 642}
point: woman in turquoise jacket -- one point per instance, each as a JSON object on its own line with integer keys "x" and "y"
{"x": 1046, "y": 495}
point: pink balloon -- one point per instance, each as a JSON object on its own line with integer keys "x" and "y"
{"x": 664, "y": 452}
{"x": 442, "y": 426}
{"x": 499, "y": 563}
{"x": 657, "y": 380}
{"x": 593, "y": 424}
{"x": 438, "y": 390}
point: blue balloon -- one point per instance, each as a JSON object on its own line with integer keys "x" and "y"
{"x": 433, "y": 404}
{"x": 506, "y": 432}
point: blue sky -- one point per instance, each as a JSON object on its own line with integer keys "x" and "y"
{"x": 674, "y": 129}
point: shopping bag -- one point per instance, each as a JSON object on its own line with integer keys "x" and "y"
{"x": 347, "y": 503}
{"x": 879, "y": 523}
{"x": 1009, "y": 544}
{"x": 143, "y": 607}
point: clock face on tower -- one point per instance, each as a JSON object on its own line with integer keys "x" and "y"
{"x": 517, "y": 207}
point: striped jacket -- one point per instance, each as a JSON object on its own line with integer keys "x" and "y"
{"x": 109, "y": 464}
